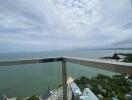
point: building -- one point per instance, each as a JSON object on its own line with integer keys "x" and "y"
{"x": 46, "y": 95}
{"x": 2, "y": 97}
{"x": 88, "y": 95}
{"x": 76, "y": 92}
{"x": 78, "y": 95}
{"x": 115, "y": 56}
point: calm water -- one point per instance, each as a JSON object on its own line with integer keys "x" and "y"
{"x": 27, "y": 80}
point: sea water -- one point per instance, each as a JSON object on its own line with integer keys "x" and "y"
{"x": 34, "y": 79}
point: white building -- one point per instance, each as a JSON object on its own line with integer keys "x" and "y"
{"x": 4, "y": 97}
{"x": 76, "y": 92}
{"x": 88, "y": 95}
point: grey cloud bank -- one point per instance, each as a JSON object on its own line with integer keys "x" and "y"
{"x": 42, "y": 25}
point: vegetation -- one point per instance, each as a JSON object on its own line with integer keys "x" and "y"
{"x": 108, "y": 87}
{"x": 34, "y": 97}
{"x": 128, "y": 58}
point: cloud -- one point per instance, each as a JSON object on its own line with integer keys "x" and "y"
{"x": 64, "y": 24}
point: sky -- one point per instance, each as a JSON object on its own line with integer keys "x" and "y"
{"x": 48, "y": 25}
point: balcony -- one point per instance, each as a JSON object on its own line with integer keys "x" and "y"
{"x": 52, "y": 72}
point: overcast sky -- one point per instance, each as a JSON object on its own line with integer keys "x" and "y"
{"x": 43, "y": 25}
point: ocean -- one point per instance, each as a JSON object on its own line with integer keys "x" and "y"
{"x": 34, "y": 79}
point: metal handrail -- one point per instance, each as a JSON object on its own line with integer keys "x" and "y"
{"x": 119, "y": 67}
{"x": 29, "y": 61}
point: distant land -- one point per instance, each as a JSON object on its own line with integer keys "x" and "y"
{"x": 101, "y": 48}
{"x": 67, "y": 50}
{"x": 121, "y": 57}
{"x": 116, "y": 49}
{"x": 104, "y": 48}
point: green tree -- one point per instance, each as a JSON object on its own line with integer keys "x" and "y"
{"x": 34, "y": 97}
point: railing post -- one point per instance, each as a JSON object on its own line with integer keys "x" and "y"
{"x": 64, "y": 80}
